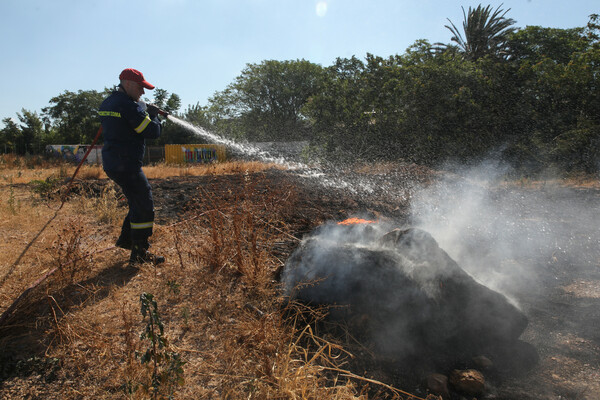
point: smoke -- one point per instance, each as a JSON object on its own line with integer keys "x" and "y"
{"x": 510, "y": 237}
{"x": 514, "y": 239}
{"x": 401, "y": 290}
{"x": 329, "y": 268}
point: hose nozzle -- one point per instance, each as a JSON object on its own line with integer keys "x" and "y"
{"x": 154, "y": 110}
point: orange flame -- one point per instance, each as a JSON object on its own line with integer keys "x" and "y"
{"x": 352, "y": 221}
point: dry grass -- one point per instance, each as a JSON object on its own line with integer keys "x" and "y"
{"x": 229, "y": 167}
{"x": 17, "y": 170}
{"x": 77, "y": 333}
{"x": 105, "y": 207}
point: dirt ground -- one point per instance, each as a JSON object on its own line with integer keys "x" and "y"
{"x": 561, "y": 299}
{"x": 560, "y": 294}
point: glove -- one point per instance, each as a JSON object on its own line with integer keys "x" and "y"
{"x": 153, "y": 111}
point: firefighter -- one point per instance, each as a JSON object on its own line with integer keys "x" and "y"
{"x": 126, "y": 124}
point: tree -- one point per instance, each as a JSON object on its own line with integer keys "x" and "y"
{"x": 74, "y": 116}
{"x": 198, "y": 115}
{"x": 558, "y": 73}
{"x": 32, "y": 132}
{"x": 422, "y": 106}
{"x": 265, "y": 102}
{"x": 485, "y": 32}
{"x": 24, "y": 138}
{"x": 534, "y": 44}
{"x": 337, "y": 111}
{"x": 9, "y": 135}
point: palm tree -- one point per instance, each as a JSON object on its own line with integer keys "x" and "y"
{"x": 485, "y": 32}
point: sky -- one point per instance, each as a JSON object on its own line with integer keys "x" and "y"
{"x": 195, "y": 48}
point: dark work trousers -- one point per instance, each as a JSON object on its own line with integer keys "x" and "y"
{"x": 139, "y": 221}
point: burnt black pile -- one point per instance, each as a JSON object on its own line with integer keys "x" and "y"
{"x": 403, "y": 293}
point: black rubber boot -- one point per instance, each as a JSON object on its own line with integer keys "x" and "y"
{"x": 124, "y": 240}
{"x": 141, "y": 255}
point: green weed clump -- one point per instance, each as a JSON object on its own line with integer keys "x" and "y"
{"x": 45, "y": 188}
{"x": 14, "y": 205}
{"x": 166, "y": 367}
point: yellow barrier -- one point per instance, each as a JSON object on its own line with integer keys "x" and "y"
{"x": 194, "y": 153}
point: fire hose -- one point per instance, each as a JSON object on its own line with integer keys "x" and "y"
{"x": 63, "y": 199}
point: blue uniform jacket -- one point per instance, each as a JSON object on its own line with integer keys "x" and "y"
{"x": 125, "y": 126}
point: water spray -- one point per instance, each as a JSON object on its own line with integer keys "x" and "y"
{"x": 331, "y": 178}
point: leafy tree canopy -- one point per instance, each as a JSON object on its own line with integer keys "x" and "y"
{"x": 266, "y": 100}
{"x": 535, "y": 43}
{"x": 74, "y": 115}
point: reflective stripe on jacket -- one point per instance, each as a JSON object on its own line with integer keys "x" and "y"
{"x": 125, "y": 126}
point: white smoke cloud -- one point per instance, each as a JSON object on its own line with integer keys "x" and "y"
{"x": 504, "y": 235}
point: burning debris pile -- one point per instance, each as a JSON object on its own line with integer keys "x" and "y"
{"x": 401, "y": 292}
